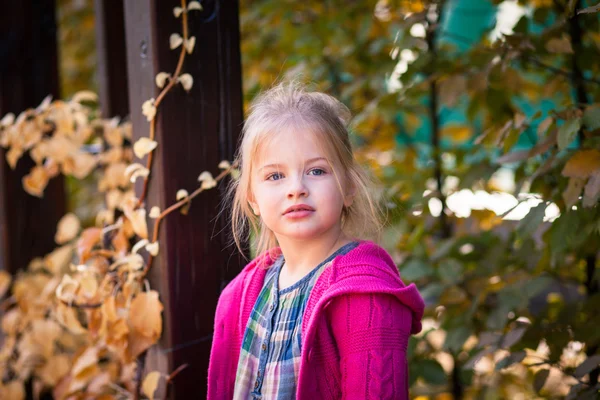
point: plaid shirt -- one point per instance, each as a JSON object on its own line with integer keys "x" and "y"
{"x": 270, "y": 354}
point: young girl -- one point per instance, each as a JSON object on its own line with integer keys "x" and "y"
{"x": 321, "y": 313}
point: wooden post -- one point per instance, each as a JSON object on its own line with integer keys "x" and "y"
{"x": 112, "y": 58}
{"x": 195, "y": 131}
{"x": 28, "y": 73}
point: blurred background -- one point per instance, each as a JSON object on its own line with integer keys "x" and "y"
{"x": 481, "y": 120}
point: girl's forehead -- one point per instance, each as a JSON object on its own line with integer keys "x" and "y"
{"x": 288, "y": 142}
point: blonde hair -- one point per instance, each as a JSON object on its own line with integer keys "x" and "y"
{"x": 291, "y": 104}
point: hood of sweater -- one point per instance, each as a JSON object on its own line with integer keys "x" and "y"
{"x": 368, "y": 268}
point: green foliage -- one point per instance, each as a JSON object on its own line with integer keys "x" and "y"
{"x": 512, "y": 305}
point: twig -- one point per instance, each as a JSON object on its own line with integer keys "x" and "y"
{"x": 163, "y": 93}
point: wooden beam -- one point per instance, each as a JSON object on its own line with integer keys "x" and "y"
{"x": 195, "y": 131}
{"x": 28, "y": 73}
{"x": 112, "y": 58}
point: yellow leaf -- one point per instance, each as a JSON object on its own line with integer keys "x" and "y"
{"x": 562, "y": 45}
{"x": 150, "y": 384}
{"x": 582, "y": 164}
{"x": 144, "y": 146}
{"x": 68, "y": 227}
{"x": 175, "y": 40}
{"x": 457, "y": 133}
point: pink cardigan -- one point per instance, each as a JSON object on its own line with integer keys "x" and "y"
{"x": 355, "y": 328}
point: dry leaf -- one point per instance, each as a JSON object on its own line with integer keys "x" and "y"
{"x": 152, "y": 248}
{"x": 55, "y": 369}
{"x": 154, "y": 212}
{"x": 161, "y": 79}
{"x": 5, "y": 280}
{"x": 207, "y": 180}
{"x": 175, "y": 40}
{"x": 194, "y": 5}
{"x": 36, "y": 181}
{"x": 135, "y": 171}
{"x": 186, "y": 81}
{"x": 138, "y": 221}
{"x": 82, "y": 164}
{"x": 88, "y": 239}
{"x": 84, "y": 95}
{"x": 144, "y": 146}
{"x": 58, "y": 259}
{"x": 87, "y": 359}
{"x": 148, "y": 109}
{"x": 145, "y": 321}
{"x": 68, "y": 228}
{"x": 189, "y": 44}
{"x": 8, "y": 119}
{"x": 150, "y": 384}
{"x": 67, "y": 288}
{"x": 145, "y": 314}
{"x": 224, "y": 164}
{"x": 67, "y": 317}
{"x": 13, "y": 390}
{"x": 136, "y": 247}
{"x": 181, "y": 193}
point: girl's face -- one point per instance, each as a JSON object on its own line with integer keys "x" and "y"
{"x": 290, "y": 170}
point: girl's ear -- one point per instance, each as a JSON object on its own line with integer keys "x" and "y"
{"x": 255, "y": 208}
{"x": 349, "y": 199}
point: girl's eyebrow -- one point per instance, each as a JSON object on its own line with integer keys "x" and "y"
{"x": 306, "y": 162}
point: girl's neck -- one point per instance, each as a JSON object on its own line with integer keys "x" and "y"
{"x": 301, "y": 257}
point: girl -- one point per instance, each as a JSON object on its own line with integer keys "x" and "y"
{"x": 321, "y": 313}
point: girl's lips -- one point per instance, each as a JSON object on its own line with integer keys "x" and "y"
{"x": 298, "y": 214}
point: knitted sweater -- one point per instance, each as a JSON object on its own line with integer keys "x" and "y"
{"x": 355, "y": 328}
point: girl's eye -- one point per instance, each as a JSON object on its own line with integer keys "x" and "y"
{"x": 272, "y": 175}
{"x": 277, "y": 174}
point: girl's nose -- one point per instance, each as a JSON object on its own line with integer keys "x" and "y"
{"x": 297, "y": 188}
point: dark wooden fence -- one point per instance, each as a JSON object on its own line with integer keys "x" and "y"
{"x": 195, "y": 131}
